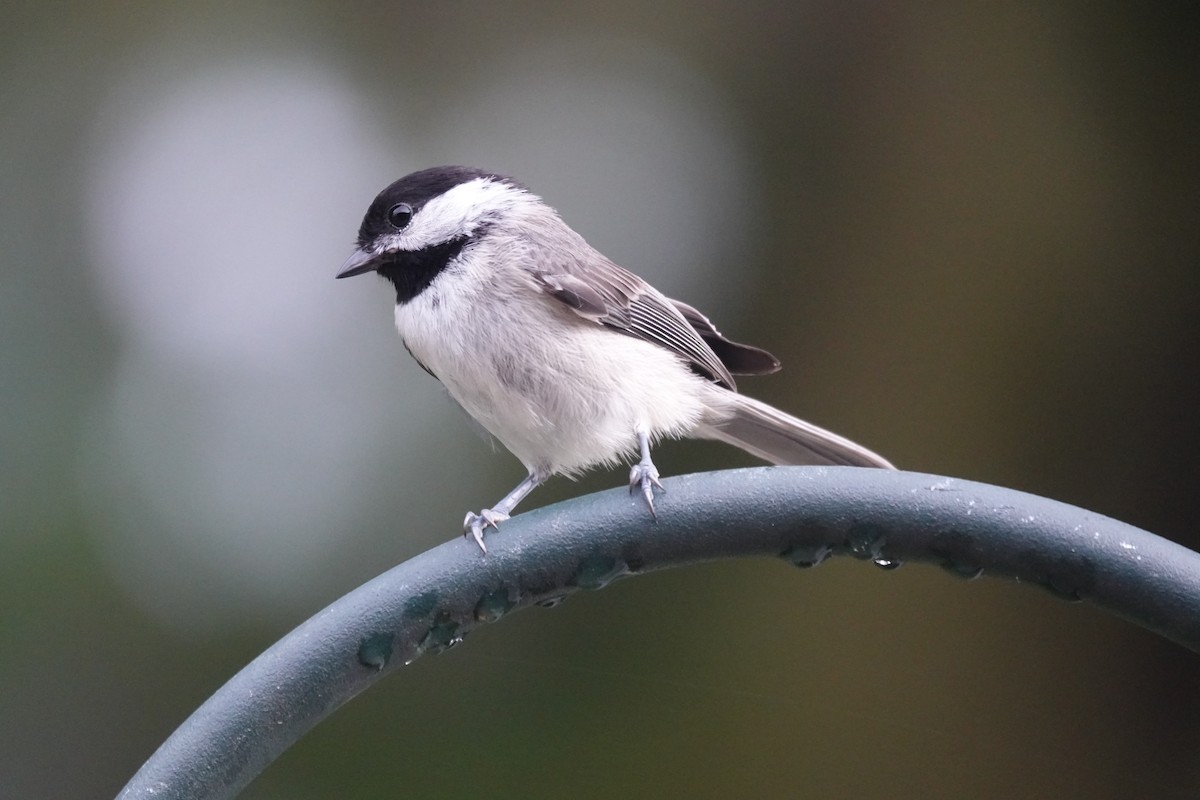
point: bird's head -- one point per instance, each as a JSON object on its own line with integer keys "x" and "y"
{"x": 417, "y": 226}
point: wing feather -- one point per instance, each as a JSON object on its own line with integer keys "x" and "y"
{"x": 615, "y": 297}
{"x": 740, "y": 359}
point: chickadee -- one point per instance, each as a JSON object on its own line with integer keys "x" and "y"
{"x": 568, "y": 359}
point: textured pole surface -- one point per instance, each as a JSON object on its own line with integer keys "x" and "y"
{"x": 801, "y": 514}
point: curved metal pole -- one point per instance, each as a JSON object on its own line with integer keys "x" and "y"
{"x": 801, "y": 514}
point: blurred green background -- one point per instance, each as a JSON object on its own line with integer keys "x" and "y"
{"x": 970, "y": 231}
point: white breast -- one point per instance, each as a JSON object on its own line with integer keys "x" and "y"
{"x": 561, "y": 393}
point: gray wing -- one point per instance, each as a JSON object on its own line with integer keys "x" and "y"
{"x": 617, "y": 298}
{"x": 739, "y": 359}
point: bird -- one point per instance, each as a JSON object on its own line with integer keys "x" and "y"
{"x": 570, "y": 361}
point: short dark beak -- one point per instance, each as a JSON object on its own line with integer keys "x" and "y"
{"x": 357, "y": 264}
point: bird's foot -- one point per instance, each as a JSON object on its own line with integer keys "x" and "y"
{"x": 644, "y": 476}
{"x": 475, "y": 524}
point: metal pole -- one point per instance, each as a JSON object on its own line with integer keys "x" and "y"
{"x": 799, "y": 514}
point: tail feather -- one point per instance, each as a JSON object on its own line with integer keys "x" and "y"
{"x": 780, "y": 438}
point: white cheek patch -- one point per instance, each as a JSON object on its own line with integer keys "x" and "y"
{"x": 458, "y": 212}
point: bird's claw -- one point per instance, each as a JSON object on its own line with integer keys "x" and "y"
{"x": 644, "y": 476}
{"x": 475, "y": 524}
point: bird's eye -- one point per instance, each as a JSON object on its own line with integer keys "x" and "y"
{"x": 400, "y": 215}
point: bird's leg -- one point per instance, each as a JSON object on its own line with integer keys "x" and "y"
{"x": 475, "y": 524}
{"x": 644, "y": 474}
